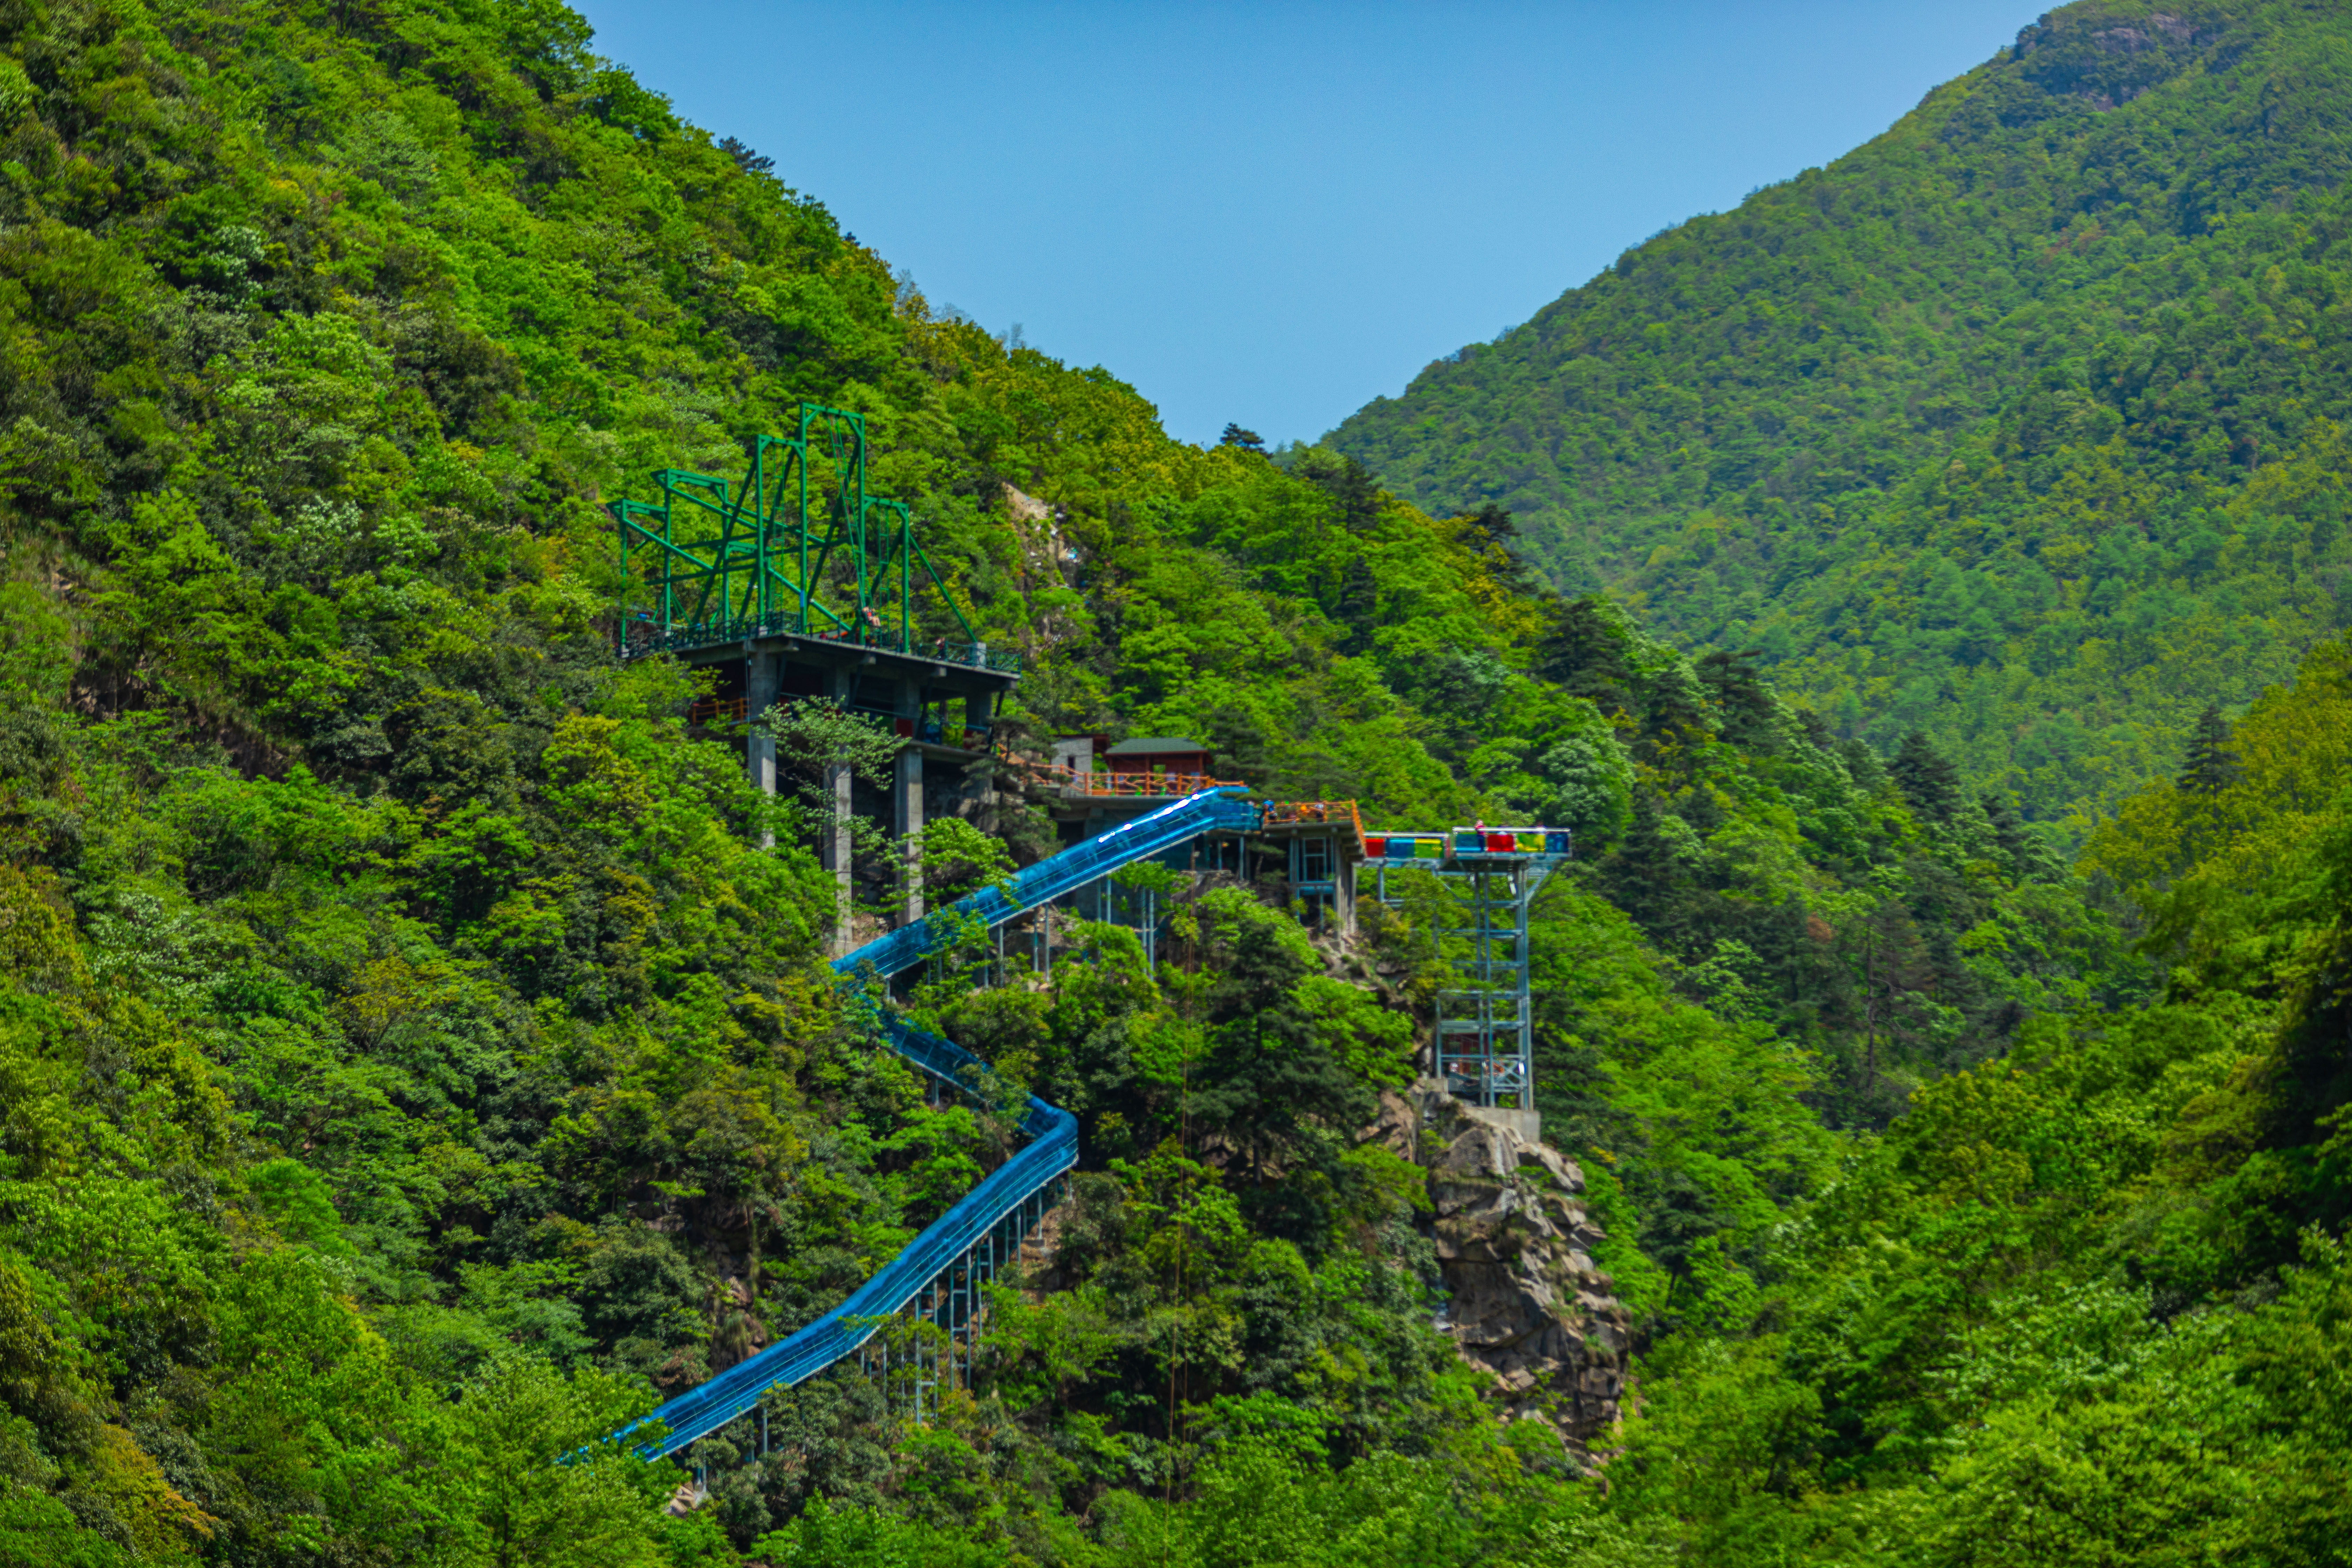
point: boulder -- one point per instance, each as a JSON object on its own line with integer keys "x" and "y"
{"x": 1553, "y": 1164}
{"x": 1396, "y": 1127}
{"x": 1480, "y": 1153}
{"x": 1527, "y": 1304}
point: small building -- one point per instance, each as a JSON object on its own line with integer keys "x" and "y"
{"x": 1166, "y": 755}
{"x": 1093, "y": 783}
{"x": 1076, "y": 753}
{"x": 1320, "y": 843}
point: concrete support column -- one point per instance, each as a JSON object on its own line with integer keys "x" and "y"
{"x": 979, "y": 714}
{"x": 835, "y": 848}
{"x": 906, "y": 822}
{"x": 907, "y": 798}
{"x": 762, "y": 675}
{"x": 841, "y": 686}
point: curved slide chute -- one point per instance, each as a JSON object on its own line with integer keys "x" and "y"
{"x": 1053, "y": 1133}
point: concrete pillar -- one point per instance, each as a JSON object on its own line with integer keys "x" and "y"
{"x": 906, "y": 797}
{"x": 762, "y": 675}
{"x": 906, "y": 822}
{"x": 979, "y": 714}
{"x": 835, "y": 848}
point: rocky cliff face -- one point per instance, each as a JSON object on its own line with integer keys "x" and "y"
{"x": 1529, "y": 1308}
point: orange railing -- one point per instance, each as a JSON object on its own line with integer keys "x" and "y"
{"x": 1087, "y": 780}
{"x": 1333, "y": 812}
{"x": 733, "y": 709}
{"x": 712, "y": 709}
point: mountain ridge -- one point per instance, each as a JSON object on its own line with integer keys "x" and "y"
{"x": 2102, "y": 271}
{"x": 419, "y": 1050}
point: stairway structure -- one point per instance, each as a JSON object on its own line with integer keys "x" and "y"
{"x": 938, "y": 1280}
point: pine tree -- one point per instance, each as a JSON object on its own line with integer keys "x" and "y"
{"x": 2007, "y": 829}
{"x": 1349, "y": 485}
{"x": 1494, "y": 532}
{"x": 1926, "y": 777}
{"x": 2212, "y": 767}
{"x": 1738, "y": 695}
{"x": 1674, "y": 717}
{"x": 1645, "y": 876}
{"x": 1491, "y": 524}
{"x": 750, "y": 162}
{"x": 1247, "y": 440}
{"x": 1584, "y": 654}
{"x": 1359, "y": 604}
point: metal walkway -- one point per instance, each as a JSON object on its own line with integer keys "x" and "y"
{"x": 941, "y": 1270}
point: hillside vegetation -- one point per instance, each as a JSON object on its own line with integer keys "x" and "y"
{"x": 2025, "y": 425}
{"x": 412, "y": 1066}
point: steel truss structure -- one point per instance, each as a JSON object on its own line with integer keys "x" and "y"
{"x": 930, "y": 1346}
{"x": 1471, "y": 890}
{"x": 715, "y": 561}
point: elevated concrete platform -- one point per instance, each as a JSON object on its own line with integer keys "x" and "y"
{"x": 943, "y": 708}
{"x": 1528, "y": 1124}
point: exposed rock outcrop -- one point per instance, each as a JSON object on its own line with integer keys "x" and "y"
{"x": 1529, "y": 1308}
{"x": 737, "y": 1335}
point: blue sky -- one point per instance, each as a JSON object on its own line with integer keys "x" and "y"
{"x": 1275, "y": 213}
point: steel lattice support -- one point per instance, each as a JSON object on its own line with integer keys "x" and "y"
{"x": 932, "y": 1345}
{"x": 715, "y": 562}
{"x": 1484, "y": 1023}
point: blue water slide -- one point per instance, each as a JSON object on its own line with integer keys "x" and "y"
{"x": 1053, "y": 1133}
{"x": 1216, "y": 811}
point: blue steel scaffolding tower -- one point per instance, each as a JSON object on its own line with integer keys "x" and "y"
{"x": 1470, "y": 889}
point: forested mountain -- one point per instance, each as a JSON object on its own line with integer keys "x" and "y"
{"x": 2022, "y": 424}
{"x": 403, "y": 1018}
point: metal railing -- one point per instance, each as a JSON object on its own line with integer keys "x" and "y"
{"x": 1310, "y": 813}
{"x": 716, "y": 710}
{"x": 640, "y": 639}
{"x": 1545, "y": 844}
{"x": 1215, "y": 811}
{"x": 1052, "y": 1150}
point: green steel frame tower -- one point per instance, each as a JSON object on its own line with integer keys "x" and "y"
{"x": 714, "y": 562}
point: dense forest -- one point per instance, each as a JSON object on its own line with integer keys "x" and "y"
{"x": 401, "y": 1001}
{"x": 2023, "y": 426}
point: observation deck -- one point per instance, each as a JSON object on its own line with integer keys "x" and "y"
{"x": 794, "y": 582}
